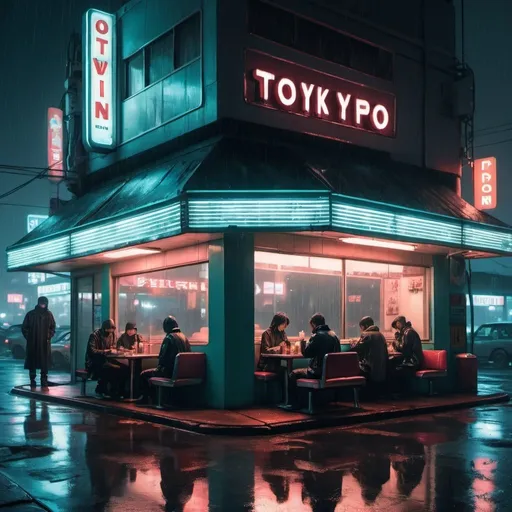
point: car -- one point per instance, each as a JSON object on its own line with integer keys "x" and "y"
{"x": 60, "y": 351}
{"x": 493, "y": 344}
{"x": 17, "y": 343}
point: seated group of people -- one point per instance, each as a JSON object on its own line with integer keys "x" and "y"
{"x": 375, "y": 361}
{"x": 112, "y": 375}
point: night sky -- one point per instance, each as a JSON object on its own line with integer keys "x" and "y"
{"x": 33, "y": 46}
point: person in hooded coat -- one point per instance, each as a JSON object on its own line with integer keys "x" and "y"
{"x": 174, "y": 343}
{"x": 101, "y": 342}
{"x": 38, "y": 329}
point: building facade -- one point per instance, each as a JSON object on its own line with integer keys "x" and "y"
{"x": 247, "y": 157}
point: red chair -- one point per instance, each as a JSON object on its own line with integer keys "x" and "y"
{"x": 435, "y": 366}
{"x": 339, "y": 370}
{"x": 189, "y": 370}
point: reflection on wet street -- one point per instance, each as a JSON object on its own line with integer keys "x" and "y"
{"x": 76, "y": 460}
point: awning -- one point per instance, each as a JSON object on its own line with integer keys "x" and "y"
{"x": 245, "y": 185}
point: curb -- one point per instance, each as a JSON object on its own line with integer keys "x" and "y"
{"x": 311, "y": 423}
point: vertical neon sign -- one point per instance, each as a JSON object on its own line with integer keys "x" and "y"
{"x": 99, "y": 61}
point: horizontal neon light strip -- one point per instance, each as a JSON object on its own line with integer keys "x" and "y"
{"x": 372, "y": 220}
{"x": 486, "y": 238}
{"x": 258, "y": 213}
{"x": 152, "y": 225}
{"x": 43, "y": 252}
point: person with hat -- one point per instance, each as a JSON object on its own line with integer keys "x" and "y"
{"x": 372, "y": 352}
{"x": 174, "y": 343}
{"x": 38, "y": 329}
{"x": 130, "y": 339}
{"x": 408, "y": 343}
{"x": 108, "y": 372}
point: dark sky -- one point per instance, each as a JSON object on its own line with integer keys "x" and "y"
{"x": 34, "y": 36}
{"x": 488, "y": 44}
{"x": 33, "y": 46}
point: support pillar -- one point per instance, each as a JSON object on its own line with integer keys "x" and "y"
{"x": 107, "y": 305}
{"x": 230, "y": 351}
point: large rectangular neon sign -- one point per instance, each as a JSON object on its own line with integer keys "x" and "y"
{"x": 282, "y": 85}
{"x": 99, "y": 61}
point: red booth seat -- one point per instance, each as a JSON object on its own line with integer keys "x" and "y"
{"x": 435, "y": 366}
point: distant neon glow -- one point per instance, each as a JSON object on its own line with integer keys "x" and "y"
{"x": 130, "y": 252}
{"x": 370, "y": 242}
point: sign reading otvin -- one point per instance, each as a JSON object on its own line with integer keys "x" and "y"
{"x": 282, "y": 85}
{"x": 99, "y": 62}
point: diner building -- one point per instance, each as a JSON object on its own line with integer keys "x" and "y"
{"x": 249, "y": 156}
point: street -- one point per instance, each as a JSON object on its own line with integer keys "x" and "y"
{"x": 69, "y": 459}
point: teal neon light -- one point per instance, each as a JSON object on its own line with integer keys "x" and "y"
{"x": 153, "y": 225}
{"x": 372, "y": 220}
{"x": 301, "y": 212}
{"x": 43, "y": 252}
{"x": 487, "y": 238}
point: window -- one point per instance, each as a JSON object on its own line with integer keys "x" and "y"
{"x": 188, "y": 41}
{"x": 383, "y": 292}
{"x": 315, "y": 39}
{"x": 135, "y": 74}
{"x": 160, "y": 58}
{"x": 298, "y": 285}
{"x": 175, "y": 49}
{"x": 149, "y": 298}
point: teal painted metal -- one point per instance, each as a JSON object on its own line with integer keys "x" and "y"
{"x": 487, "y": 238}
{"x": 263, "y": 212}
{"x": 55, "y": 249}
{"x": 381, "y": 222}
{"x": 152, "y": 225}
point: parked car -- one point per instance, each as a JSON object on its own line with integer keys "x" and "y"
{"x": 493, "y": 344}
{"x": 18, "y": 344}
{"x": 60, "y": 351}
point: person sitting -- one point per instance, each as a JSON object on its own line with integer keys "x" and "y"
{"x": 272, "y": 341}
{"x": 372, "y": 351}
{"x": 175, "y": 342}
{"x": 101, "y": 342}
{"x": 323, "y": 341}
{"x": 408, "y": 343}
{"x": 130, "y": 339}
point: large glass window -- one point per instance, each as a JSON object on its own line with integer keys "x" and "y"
{"x": 160, "y": 58}
{"x": 135, "y": 74}
{"x": 188, "y": 41}
{"x": 148, "y": 298}
{"x": 298, "y": 285}
{"x": 383, "y": 292}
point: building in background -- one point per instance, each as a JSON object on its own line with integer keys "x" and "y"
{"x": 251, "y": 156}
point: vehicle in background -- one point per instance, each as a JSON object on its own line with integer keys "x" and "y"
{"x": 493, "y": 344}
{"x": 60, "y": 351}
{"x": 17, "y": 343}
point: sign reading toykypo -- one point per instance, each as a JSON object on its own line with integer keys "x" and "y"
{"x": 281, "y": 85}
{"x": 100, "y": 71}
{"x": 485, "y": 183}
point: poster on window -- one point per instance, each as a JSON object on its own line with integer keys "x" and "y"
{"x": 391, "y": 297}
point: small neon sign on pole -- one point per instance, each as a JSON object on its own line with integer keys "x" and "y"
{"x": 485, "y": 183}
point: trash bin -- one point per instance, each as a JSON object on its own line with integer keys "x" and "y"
{"x": 467, "y": 372}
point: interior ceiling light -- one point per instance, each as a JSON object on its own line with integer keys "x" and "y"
{"x": 128, "y": 253}
{"x": 370, "y": 242}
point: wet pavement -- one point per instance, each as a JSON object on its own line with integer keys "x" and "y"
{"x": 69, "y": 459}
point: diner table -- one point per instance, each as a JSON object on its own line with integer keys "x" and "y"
{"x": 134, "y": 363}
{"x": 286, "y": 361}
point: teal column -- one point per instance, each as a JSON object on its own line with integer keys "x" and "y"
{"x": 230, "y": 351}
{"x": 107, "y": 306}
{"x": 443, "y": 288}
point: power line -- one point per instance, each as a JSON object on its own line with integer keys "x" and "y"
{"x": 492, "y": 127}
{"x": 25, "y": 205}
{"x": 494, "y": 143}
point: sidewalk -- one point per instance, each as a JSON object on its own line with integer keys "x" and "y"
{"x": 267, "y": 420}
{"x": 13, "y": 497}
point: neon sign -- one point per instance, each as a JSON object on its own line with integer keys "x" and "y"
{"x": 281, "y": 85}
{"x": 100, "y": 72}
{"x": 485, "y": 183}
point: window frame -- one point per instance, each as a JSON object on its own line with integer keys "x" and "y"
{"x": 428, "y": 311}
{"x": 117, "y": 287}
{"x": 145, "y": 50}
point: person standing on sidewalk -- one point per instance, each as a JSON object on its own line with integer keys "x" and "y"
{"x": 38, "y": 329}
